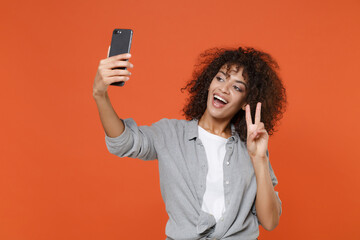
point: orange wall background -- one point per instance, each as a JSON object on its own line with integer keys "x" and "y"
{"x": 57, "y": 179}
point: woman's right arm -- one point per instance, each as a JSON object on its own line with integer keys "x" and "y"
{"x": 106, "y": 74}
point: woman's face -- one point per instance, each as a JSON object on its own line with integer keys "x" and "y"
{"x": 227, "y": 93}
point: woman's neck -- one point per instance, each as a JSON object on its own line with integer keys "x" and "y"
{"x": 215, "y": 126}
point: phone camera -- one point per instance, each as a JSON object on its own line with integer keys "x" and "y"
{"x": 117, "y": 31}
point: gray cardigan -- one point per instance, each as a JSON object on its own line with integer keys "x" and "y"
{"x": 183, "y": 169}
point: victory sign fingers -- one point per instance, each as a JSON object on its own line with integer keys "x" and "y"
{"x": 257, "y": 115}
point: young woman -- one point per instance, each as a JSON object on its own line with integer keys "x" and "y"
{"x": 215, "y": 176}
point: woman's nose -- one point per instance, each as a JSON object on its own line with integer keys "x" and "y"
{"x": 225, "y": 87}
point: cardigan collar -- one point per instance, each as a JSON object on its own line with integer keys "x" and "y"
{"x": 192, "y": 131}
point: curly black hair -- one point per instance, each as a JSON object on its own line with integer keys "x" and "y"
{"x": 264, "y": 85}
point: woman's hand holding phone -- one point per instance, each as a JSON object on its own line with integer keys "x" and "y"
{"x": 107, "y": 73}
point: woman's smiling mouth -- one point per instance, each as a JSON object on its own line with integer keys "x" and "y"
{"x": 219, "y": 102}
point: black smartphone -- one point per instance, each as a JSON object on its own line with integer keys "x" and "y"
{"x": 120, "y": 43}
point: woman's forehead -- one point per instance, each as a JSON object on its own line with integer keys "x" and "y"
{"x": 233, "y": 69}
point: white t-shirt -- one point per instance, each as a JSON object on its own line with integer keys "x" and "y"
{"x": 214, "y": 198}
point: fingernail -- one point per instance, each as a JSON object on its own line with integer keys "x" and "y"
{"x": 129, "y": 55}
{"x": 131, "y": 65}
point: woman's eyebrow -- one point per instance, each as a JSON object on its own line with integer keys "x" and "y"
{"x": 222, "y": 72}
{"x": 238, "y": 81}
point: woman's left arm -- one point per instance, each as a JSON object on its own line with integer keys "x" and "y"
{"x": 267, "y": 204}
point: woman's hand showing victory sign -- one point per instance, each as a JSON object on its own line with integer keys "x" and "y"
{"x": 257, "y": 136}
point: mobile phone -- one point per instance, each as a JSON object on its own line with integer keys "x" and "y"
{"x": 120, "y": 43}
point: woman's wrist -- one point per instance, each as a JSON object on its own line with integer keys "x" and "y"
{"x": 260, "y": 162}
{"x": 97, "y": 95}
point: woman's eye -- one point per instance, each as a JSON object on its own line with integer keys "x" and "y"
{"x": 238, "y": 89}
{"x": 219, "y": 78}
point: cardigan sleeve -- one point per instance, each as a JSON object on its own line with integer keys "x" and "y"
{"x": 136, "y": 141}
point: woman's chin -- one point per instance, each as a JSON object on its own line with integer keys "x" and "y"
{"x": 216, "y": 114}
